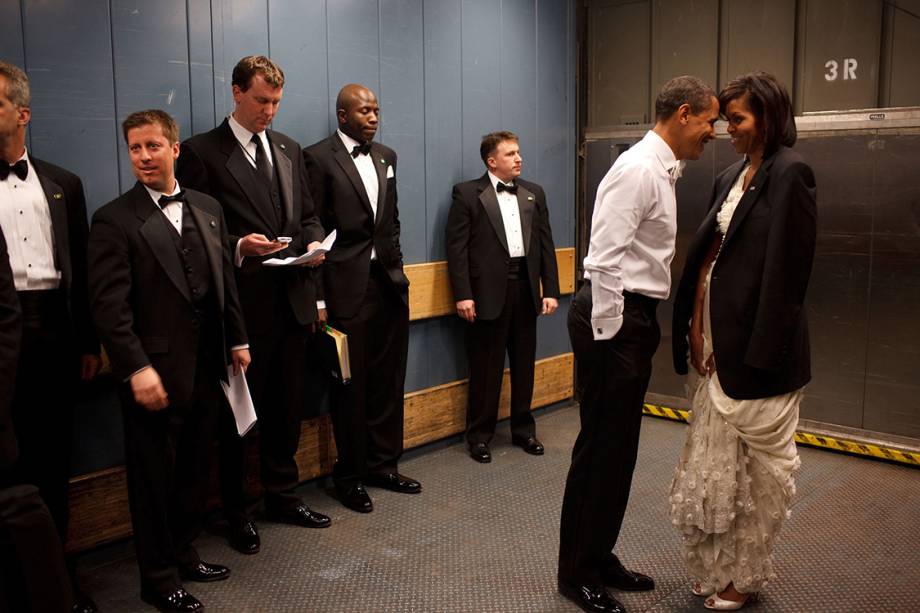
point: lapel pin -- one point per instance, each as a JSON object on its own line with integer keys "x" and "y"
{"x": 530, "y": 197}
{"x": 383, "y": 161}
{"x": 213, "y": 224}
{"x": 282, "y": 146}
{"x": 58, "y": 196}
{"x": 753, "y": 187}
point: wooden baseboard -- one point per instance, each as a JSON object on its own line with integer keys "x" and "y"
{"x": 430, "y": 294}
{"x": 99, "y": 501}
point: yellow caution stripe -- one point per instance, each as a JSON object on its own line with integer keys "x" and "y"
{"x": 823, "y": 441}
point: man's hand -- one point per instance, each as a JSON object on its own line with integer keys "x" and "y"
{"x": 241, "y": 360}
{"x": 322, "y": 317}
{"x": 89, "y": 366}
{"x": 549, "y": 306}
{"x": 148, "y": 390}
{"x": 254, "y": 245}
{"x": 316, "y": 261}
{"x": 467, "y": 310}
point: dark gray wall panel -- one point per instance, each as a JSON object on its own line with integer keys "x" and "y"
{"x": 554, "y": 101}
{"x": 150, "y": 65}
{"x": 73, "y": 93}
{"x": 445, "y": 351}
{"x": 402, "y": 103}
{"x": 11, "y": 49}
{"x": 552, "y": 333}
{"x": 481, "y": 32}
{"x": 239, "y": 28}
{"x": 905, "y": 59}
{"x": 517, "y": 78}
{"x": 443, "y": 117}
{"x": 757, "y": 35}
{"x": 201, "y": 66}
{"x": 298, "y": 44}
{"x": 354, "y": 45}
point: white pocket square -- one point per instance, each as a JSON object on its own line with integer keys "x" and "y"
{"x": 390, "y": 173}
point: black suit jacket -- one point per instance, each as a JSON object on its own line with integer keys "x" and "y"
{"x": 10, "y": 333}
{"x": 343, "y": 205}
{"x": 214, "y": 163}
{"x": 759, "y": 327}
{"x": 140, "y": 296}
{"x": 477, "y": 246}
{"x": 67, "y": 205}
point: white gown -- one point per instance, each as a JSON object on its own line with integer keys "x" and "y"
{"x": 733, "y": 483}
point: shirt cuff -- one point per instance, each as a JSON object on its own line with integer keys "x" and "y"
{"x": 238, "y": 347}
{"x": 237, "y": 257}
{"x": 606, "y": 328}
{"x": 320, "y": 304}
{"x": 129, "y": 377}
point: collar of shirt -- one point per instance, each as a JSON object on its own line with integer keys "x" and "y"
{"x": 155, "y": 195}
{"x": 669, "y": 162}
{"x": 244, "y": 138}
{"x": 349, "y": 142}
{"x": 495, "y": 181}
{"x": 32, "y": 177}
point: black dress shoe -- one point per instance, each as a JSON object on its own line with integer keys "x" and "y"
{"x": 177, "y": 600}
{"x": 355, "y": 498}
{"x": 301, "y": 515}
{"x": 615, "y": 575}
{"x": 82, "y": 603}
{"x": 591, "y": 598}
{"x": 480, "y": 452}
{"x": 244, "y": 537}
{"x": 202, "y": 572}
{"x": 531, "y": 445}
{"x": 395, "y": 482}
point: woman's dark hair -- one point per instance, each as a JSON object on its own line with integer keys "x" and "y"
{"x": 770, "y": 104}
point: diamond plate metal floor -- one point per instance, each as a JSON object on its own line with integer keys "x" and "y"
{"x": 484, "y": 538}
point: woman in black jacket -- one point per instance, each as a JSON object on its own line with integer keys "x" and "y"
{"x": 740, "y": 312}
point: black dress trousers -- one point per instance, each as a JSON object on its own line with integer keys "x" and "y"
{"x": 613, "y": 377}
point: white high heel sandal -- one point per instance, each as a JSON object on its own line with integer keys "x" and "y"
{"x": 702, "y": 589}
{"x": 720, "y": 604}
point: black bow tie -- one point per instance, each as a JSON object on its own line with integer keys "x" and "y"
{"x": 359, "y": 149}
{"x": 177, "y": 197}
{"x": 501, "y": 187}
{"x": 20, "y": 169}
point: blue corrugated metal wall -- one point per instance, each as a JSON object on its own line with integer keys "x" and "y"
{"x": 446, "y": 72}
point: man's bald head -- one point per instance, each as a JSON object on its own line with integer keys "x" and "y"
{"x": 358, "y": 112}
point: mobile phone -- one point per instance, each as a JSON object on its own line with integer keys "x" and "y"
{"x": 283, "y": 239}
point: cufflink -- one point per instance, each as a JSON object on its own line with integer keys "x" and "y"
{"x": 600, "y": 330}
{"x": 213, "y": 224}
{"x": 57, "y": 195}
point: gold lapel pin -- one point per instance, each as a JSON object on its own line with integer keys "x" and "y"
{"x": 58, "y": 196}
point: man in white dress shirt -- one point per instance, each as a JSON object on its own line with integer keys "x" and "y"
{"x": 614, "y": 334}
{"x": 499, "y": 251}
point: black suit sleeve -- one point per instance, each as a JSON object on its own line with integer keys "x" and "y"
{"x": 78, "y": 229}
{"x": 787, "y": 266}
{"x": 397, "y": 246}
{"x": 458, "y": 245}
{"x": 110, "y": 290}
{"x": 234, "y": 326}
{"x": 549, "y": 269}
{"x": 10, "y": 334}
{"x": 315, "y": 177}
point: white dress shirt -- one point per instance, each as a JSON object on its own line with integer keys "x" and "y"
{"x": 25, "y": 217}
{"x": 633, "y": 230}
{"x": 364, "y": 162}
{"x": 511, "y": 219}
{"x": 244, "y": 138}
{"x": 173, "y": 210}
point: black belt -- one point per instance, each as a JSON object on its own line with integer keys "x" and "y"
{"x": 517, "y": 268}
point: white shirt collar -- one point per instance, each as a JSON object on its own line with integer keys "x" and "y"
{"x": 348, "y": 141}
{"x": 155, "y": 195}
{"x": 495, "y": 180}
{"x": 243, "y": 135}
{"x": 669, "y": 161}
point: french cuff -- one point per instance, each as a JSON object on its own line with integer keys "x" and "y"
{"x": 237, "y": 256}
{"x": 142, "y": 368}
{"x": 320, "y": 304}
{"x": 606, "y": 328}
{"x": 238, "y": 347}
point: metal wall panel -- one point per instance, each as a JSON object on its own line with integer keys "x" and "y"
{"x": 685, "y": 39}
{"x": 201, "y": 66}
{"x": 619, "y": 65}
{"x": 481, "y": 77}
{"x": 839, "y": 54}
{"x": 239, "y": 28}
{"x": 757, "y": 35}
{"x": 901, "y": 77}
{"x": 354, "y": 45}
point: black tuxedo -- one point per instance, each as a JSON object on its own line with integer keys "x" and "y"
{"x": 10, "y": 337}
{"x": 507, "y": 302}
{"x": 369, "y": 301}
{"x": 57, "y": 330}
{"x": 278, "y": 303}
{"x": 757, "y": 294}
{"x": 169, "y": 301}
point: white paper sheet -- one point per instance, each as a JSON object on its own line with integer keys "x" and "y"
{"x": 309, "y": 256}
{"x": 237, "y": 393}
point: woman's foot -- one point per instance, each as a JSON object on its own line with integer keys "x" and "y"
{"x": 702, "y": 589}
{"x": 728, "y": 600}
